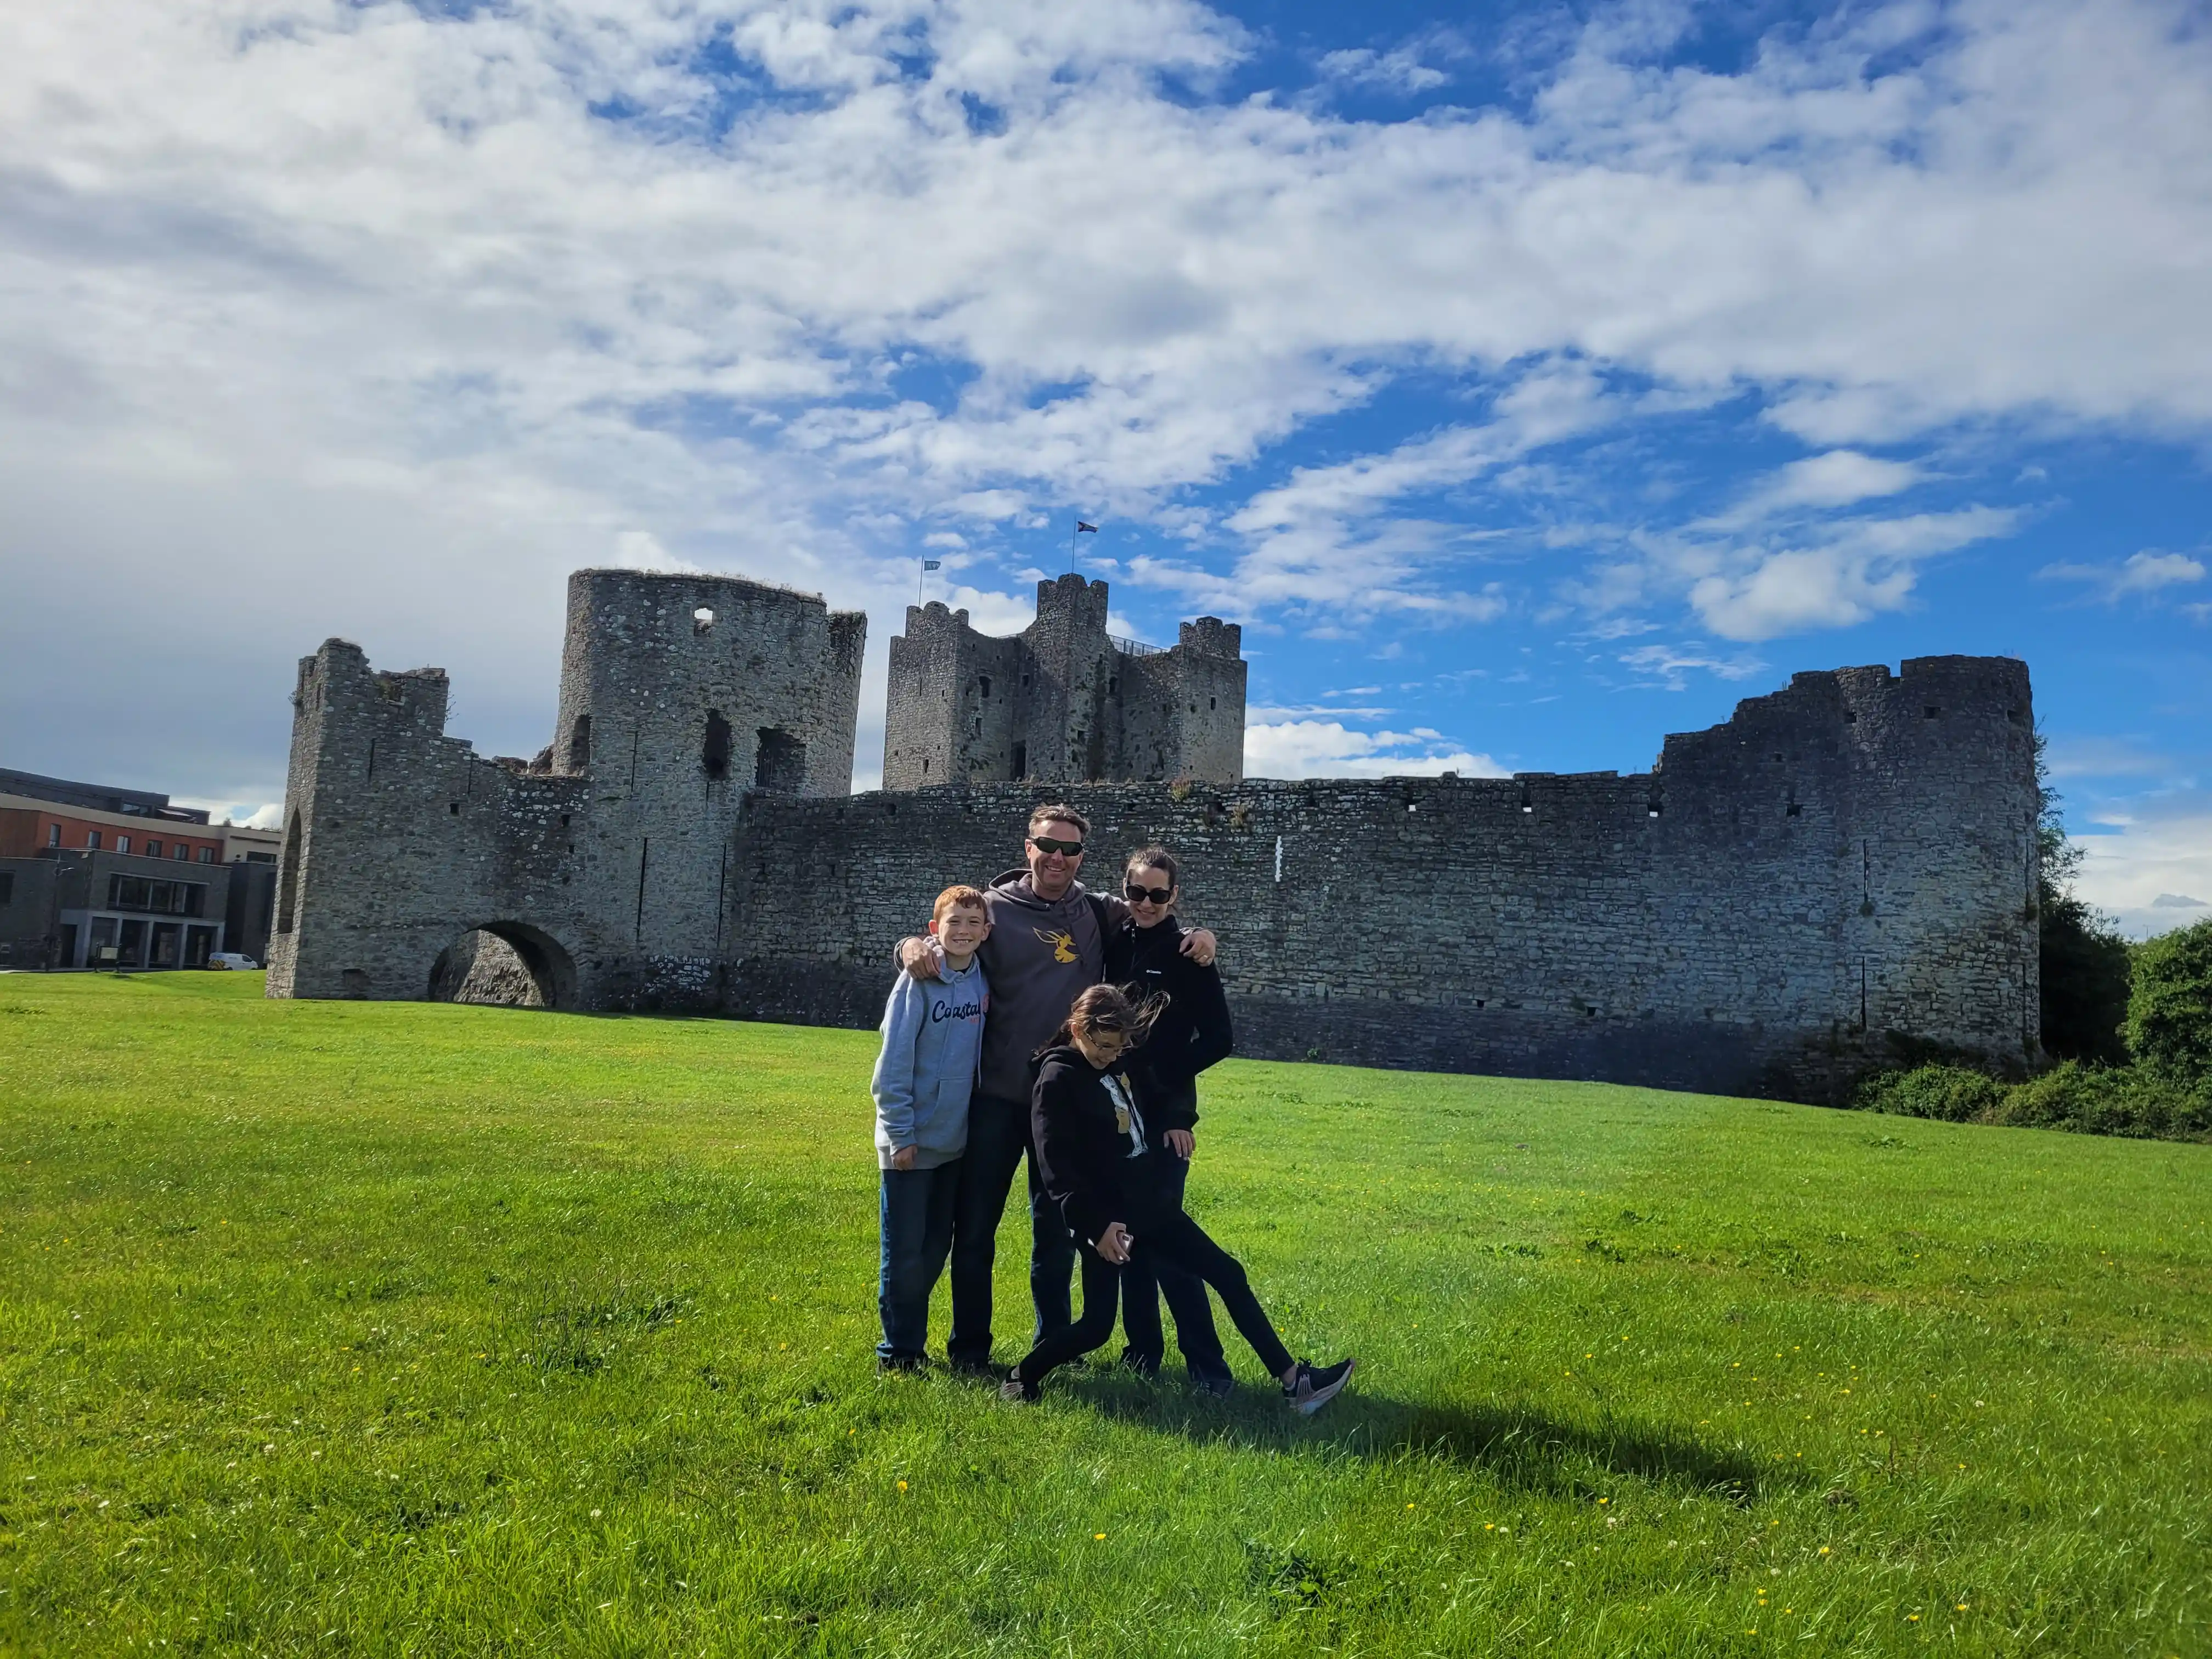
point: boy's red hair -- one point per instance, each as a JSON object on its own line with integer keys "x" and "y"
{"x": 955, "y": 898}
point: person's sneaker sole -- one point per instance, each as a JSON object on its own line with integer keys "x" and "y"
{"x": 1314, "y": 1401}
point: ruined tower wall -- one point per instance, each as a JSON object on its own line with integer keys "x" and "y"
{"x": 1684, "y": 928}
{"x": 607, "y": 872}
{"x": 1061, "y": 702}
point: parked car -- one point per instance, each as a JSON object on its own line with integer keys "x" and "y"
{"x": 230, "y": 959}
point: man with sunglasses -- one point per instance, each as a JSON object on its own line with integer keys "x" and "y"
{"x": 1047, "y": 945}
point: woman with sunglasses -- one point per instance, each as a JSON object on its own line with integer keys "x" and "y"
{"x": 1191, "y": 1033}
{"x": 1098, "y": 1159}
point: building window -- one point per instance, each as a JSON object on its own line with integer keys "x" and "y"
{"x": 161, "y": 898}
{"x": 53, "y": 835}
{"x": 7, "y": 888}
{"x": 206, "y": 856}
{"x": 92, "y": 839}
{"x": 153, "y": 849}
{"x": 184, "y": 852}
{"x": 122, "y": 843}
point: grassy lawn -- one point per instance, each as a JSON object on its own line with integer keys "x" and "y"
{"x": 393, "y": 1329}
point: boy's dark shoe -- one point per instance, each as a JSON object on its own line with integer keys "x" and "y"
{"x": 1311, "y": 1390}
{"x": 1216, "y": 1388}
{"x": 888, "y": 1362}
{"x": 978, "y": 1370}
{"x": 1015, "y": 1392}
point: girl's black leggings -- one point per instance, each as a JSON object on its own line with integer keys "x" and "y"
{"x": 1172, "y": 1238}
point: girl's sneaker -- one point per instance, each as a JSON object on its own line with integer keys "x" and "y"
{"x": 1015, "y": 1392}
{"x": 1311, "y": 1390}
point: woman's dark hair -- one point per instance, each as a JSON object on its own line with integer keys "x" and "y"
{"x": 1108, "y": 1008}
{"x": 1154, "y": 858}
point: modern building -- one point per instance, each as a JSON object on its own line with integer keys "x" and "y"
{"x": 86, "y": 869}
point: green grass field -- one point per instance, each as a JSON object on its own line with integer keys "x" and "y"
{"x": 353, "y": 1328}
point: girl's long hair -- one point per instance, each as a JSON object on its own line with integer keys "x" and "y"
{"x": 1108, "y": 1008}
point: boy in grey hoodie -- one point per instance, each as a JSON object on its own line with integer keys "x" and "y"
{"x": 932, "y": 1038}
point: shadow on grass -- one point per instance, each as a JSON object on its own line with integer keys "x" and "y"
{"x": 1525, "y": 1449}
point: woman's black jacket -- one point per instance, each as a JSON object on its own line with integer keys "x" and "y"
{"x": 1083, "y": 1157}
{"x": 1192, "y": 1035}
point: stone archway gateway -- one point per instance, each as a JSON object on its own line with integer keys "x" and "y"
{"x": 506, "y": 964}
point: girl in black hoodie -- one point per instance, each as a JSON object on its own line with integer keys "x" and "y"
{"x": 1092, "y": 1148}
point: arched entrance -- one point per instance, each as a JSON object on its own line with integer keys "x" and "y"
{"x": 507, "y": 964}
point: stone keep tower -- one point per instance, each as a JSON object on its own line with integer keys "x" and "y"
{"x": 1063, "y": 701}
{"x": 603, "y": 863}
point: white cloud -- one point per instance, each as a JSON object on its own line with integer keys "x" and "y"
{"x": 1857, "y": 568}
{"x": 1329, "y": 749}
{"x": 1670, "y": 666}
{"x": 2140, "y": 573}
{"x": 1401, "y": 69}
{"x": 2103, "y": 757}
{"x": 362, "y": 310}
{"x": 1838, "y": 478}
{"x": 2162, "y": 851}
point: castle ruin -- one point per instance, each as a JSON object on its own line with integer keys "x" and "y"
{"x": 1843, "y": 872}
{"x": 1063, "y": 701}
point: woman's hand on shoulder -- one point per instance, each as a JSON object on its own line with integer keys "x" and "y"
{"x": 1198, "y": 945}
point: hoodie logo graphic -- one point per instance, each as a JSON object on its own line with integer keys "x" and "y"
{"x": 1063, "y": 944}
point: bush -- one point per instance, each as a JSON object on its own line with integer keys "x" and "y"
{"x": 1952, "y": 1093}
{"x": 2124, "y": 1100}
{"x": 2169, "y": 1006}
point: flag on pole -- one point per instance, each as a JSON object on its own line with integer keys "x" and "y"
{"x": 1080, "y": 527}
{"x": 933, "y": 564}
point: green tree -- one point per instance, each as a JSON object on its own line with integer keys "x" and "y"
{"x": 2084, "y": 961}
{"x": 2170, "y": 1008}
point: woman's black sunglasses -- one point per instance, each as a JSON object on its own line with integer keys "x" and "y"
{"x": 1072, "y": 849}
{"x": 1147, "y": 894}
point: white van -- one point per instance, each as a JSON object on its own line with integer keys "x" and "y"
{"x": 230, "y": 959}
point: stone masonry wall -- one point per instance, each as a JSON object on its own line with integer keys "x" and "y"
{"x": 1834, "y": 877}
{"x": 603, "y": 865}
{"x": 1061, "y": 701}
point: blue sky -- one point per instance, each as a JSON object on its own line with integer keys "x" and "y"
{"x": 1531, "y": 381}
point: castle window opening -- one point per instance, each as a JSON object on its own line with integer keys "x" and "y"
{"x": 1850, "y": 717}
{"x": 1021, "y": 759}
{"x": 1795, "y": 810}
{"x": 1212, "y": 702}
{"x": 580, "y": 743}
{"x": 1933, "y": 711}
{"x": 703, "y": 619}
{"x": 780, "y": 761}
{"x": 453, "y": 807}
{"x": 288, "y": 887}
{"x": 715, "y": 749}
{"x": 1113, "y": 685}
{"x": 983, "y": 684}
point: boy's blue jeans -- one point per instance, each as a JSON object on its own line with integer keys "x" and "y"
{"x": 917, "y": 1221}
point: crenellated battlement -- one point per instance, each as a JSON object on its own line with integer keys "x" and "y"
{"x": 1063, "y": 700}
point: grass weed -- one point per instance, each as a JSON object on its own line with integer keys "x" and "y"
{"x": 387, "y": 1328}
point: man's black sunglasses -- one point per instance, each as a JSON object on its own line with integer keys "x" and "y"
{"x": 1072, "y": 849}
{"x": 1147, "y": 894}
